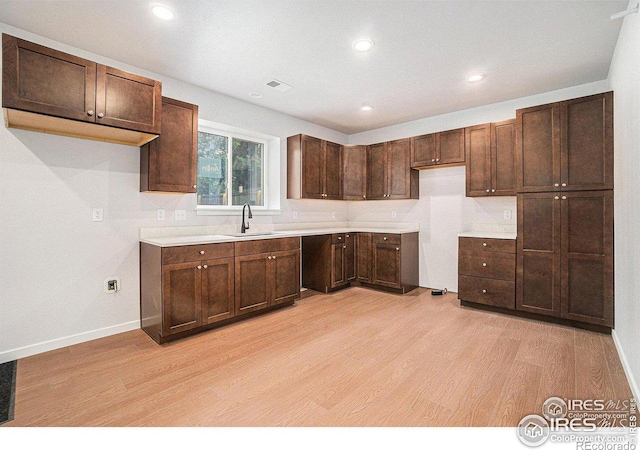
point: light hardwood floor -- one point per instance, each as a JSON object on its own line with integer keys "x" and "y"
{"x": 355, "y": 357}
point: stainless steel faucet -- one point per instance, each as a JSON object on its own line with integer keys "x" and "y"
{"x": 245, "y": 224}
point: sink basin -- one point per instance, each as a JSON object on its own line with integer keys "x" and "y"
{"x": 266, "y": 233}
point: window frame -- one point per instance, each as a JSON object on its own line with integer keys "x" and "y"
{"x": 229, "y": 209}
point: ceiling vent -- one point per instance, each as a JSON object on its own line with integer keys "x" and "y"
{"x": 279, "y": 85}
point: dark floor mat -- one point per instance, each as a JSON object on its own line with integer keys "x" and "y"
{"x": 7, "y": 390}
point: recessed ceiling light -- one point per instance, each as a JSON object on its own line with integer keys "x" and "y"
{"x": 162, "y": 12}
{"x": 363, "y": 45}
{"x": 366, "y": 108}
{"x": 475, "y": 77}
{"x": 256, "y": 94}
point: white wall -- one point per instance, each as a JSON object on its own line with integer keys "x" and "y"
{"x": 443, "y": 210}
{"x": 624, "y": 80}
{"x": 54, "y": 259}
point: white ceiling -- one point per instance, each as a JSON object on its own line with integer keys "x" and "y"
{"x": 424, "y": 49}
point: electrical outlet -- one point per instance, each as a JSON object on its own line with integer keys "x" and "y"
{"x": 295, "y": 215}
{"x": 160, "y": 214}
{"x": 507, "y": 214}
{"x": 333, "y": 214}
{"x": 98, "y": 214}
{"x": 394, "y": 214}
{"x": 112, "y": 285}
{"x": 180, "y": 214}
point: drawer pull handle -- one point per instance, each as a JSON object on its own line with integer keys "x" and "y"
{"x": 199, "y": 267}
{"x": 274, "y": 257}
{"x": 564, "y": 197}
{"x": 195, "y": 186}
{"x": 484, "y": 244}
{"x": 484, "y": 291}
{"x": 487, "y": 190}
{"x": 100, "y": 115}
{"x": 397, "y": 249}
{"x": 484, "y": 264}
{"x": 384, "y": 238}
{"x": 433, "y": 160}
{"x": 202, "y": 252}
{"x": 90, "y": 112}
{"x": 347, "y": 235}
{"x": 268, "y": 257}
{"x": 344, "y": 246}
{"x": 339, "y": 238}
{"x": 556, "y": 198}
{"x": 493, "y": 190}
{"x": 564, "y": 184}
{"x": 205, "y": 266}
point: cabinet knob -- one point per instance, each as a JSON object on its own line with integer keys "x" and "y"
{"x": 564, "y": 184}
{"x": 268, "y": 257}
{"x": 90, "y": 112}
{"x": 437, "y": 159}
{"x": 433, "y": 160}
{"x": 202, "y": 252}
{"x": 339, "y": 238}
{"x": 274, "y": 257}
{"x": 556, "y": 198}
{"x": 487, "y": 190}
{"x": 344, "y": 246}
{"x": 384, "y": 238}
{"x": 493, "y": 190}
{"x": 195, "y": 186}
{"x": 199, "y": 267}
{"x": 484, "y": 244}
{"x": 347, "y": 235}
{"x": 100, "y": 115}
{"x": 484, "y": 264}
{"x": 556, "y": 185}
{"x": 205, "y": 266}
{"x": 364, "y": 196}
{"x": 397, "y": 249}
{"x": 564, "y": 197}
{"x": 484, "y": 291}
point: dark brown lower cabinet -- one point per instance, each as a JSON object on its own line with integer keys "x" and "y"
{"x": 391, "y": 260}
{"x": 386, "y": 265}
{"x": 181, "y": 299}
{"x": 364, "y": 257}
{"x": 217, "y": 290}
{"x": 328, "y": 261}
{"x": 565, "y": 255}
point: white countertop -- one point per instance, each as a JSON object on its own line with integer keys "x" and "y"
{"x": 487, "y": 234}
{"x": 175, "y": 241}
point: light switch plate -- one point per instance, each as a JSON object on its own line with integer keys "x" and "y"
{"x": 98, "y": 214}
{"x": 160, "y": 213}
{"x": 180, "y": 214}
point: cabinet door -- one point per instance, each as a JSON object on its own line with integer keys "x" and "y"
{"x": 503, "y": 158}
{"x": 333, "y": 171}
{"x": 253, "y": 283}
{"x": 386, "y": 265}
{"x": 539, "y": 252}
{"x": 125, "y": 100}
{"x": 377, "y": 171}
{"x": 285, "y": 275}
{"x": 181, "y": 297}
{"x": 538, "y": 148}
{"x": 217, "y": 290}
{"x": 451, "y": 147}
{"x": 312, "y": 167}
{"x": 46, "y": 81}
{"x": 354, "y": 172}
{"x": 423, "y": 150}
{"x": 478, "y": 155}
{"x": 364, "y": 260}
{"x": 350, "y": 257}
{"x": 399, "y": 169}
{"x": 338, "y": 277}
{"x": 587, "y": 256}
{"x": 587, "y": 143}
{"x": 171, "y": 161}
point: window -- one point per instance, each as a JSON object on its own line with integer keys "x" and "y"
{"x": 231, "y": 170}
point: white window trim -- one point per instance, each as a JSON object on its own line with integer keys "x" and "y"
{"x": 271, "y": 147}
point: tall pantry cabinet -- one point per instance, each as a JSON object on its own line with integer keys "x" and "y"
{"x": 564, "y": 160}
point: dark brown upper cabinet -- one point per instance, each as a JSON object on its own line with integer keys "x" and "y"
{"x": 170, "y": 163}
{"x": 565, "y": 255}
{"x": 43, "y": 88}
{"x": 490, "y": 159}
{"x": 437, "y": 149}
{"x": 354, "y": 159}
{"x": 389, "y": 173}
{"x": 566, "y": 146}
{"x": 314, "y": 168}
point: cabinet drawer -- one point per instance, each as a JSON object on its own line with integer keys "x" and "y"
{"x": 174, "y": 255}
{"x": 267, "y": 246}
{"x": 384, "y": 238}
{"x": 487, "y": 245}
{"x": 339, "y": 238}
{"x": 486, "y": 291}
{"x": 488, "y": 265}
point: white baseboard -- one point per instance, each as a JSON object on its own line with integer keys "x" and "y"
{"x": 54, "y": 344}
{"x": 625, "y": 364}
